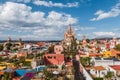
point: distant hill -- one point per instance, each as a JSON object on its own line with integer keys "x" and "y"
{"x": 104, "y": 38}
{"x": 32, "y": 41}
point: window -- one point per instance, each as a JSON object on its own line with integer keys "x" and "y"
{"x": 49, "y": 57}
{"x": 56, "y": 48}
{"x": 103, "y": 73}
{"x": 96, "y": 72}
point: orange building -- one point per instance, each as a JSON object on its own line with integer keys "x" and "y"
{"x": 114, "y": 52}
{"x": 24, "y": 54}
{"x": 95, "y": 55}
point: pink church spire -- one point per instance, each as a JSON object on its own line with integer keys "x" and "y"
{"x": 69, "y": 31}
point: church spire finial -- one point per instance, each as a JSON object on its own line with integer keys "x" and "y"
{"x": 69, "y": 29}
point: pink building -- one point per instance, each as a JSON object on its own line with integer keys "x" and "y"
{"x": 58, "y": 49}
{"x": 54, "y": 59}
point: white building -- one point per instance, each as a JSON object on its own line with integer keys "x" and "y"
{"x": 115, "y": 69}
{"x": 105, "y": 62}
{"x": 98, "y": 71}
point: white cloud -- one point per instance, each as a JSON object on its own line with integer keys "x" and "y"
{"x": 59, "y": 19}
{"x": 114, "y": 12}
{"x": 116, "y": 29}
{"x": 19, "y": 20}
{"x": 84, "y": 28}
{"x": 23, "y": 1}
{"x": 104, "y": 34}
{"x": 80, "y": 35}
{"x": 51, "y": 4}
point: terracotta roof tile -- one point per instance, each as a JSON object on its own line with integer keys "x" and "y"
{"x": 98, "y": 68}
{"x": 95, "y": 54}
{"x": 115, "y": 67}
{"x": 114, "y": 52}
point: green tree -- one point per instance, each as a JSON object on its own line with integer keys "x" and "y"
{"x": 48, "y": 74}
{"x": 51, "y": 49}
{"x": 6, "y": 76}
{"x": 27, "y": 63}
{"x": 85, "y": 61}
{"x": 117, "y": 47}
{"x": 71, "y": 51}
{"x": 22, "y": 59}
{"x": 1, "y": 59}
{"x": 87, "y": 40}
{"x": 1, "y": 47}
{"x": 30, "y": 56}
{"x": 8, "y": 46}
{"x": 73, "y": 48}
{"x": 66, "y": 78}
{"x": 109, "y": 75}
{"x": 98, "y": 78}
{"x": 40, "y": 55}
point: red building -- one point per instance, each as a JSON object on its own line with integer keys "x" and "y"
{"x": 41, "y": 44}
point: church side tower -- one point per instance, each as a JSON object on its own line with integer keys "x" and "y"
{"x": 84, "y": 39}
{"x": 20, "y": 42}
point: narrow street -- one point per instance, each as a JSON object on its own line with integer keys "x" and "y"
{"x": 77, "y": 75}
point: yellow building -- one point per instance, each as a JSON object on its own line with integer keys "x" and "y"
{"x": 28, "y": 60}
{"x": 107, "y": 54}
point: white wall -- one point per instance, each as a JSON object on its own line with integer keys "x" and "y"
{"x": 86, "y": 74}
{"x": 112, "y": 70}
{"x": 101, "y": 73}
{"x": 103, "y": 63}
{"x": 117, "y": 63}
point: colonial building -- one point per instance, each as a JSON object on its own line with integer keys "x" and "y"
{"x": 68, "y": 37}
{"x": 7, "y": 45}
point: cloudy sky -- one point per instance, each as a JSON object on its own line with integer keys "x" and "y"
{"x": 49, "y": 19}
